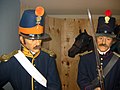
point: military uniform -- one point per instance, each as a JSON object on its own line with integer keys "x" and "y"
{"x": 87, "y": 72}
{"x": 41, "y": 72}
{"x": 12, "y": 71}
{"x": 87, "y": 69}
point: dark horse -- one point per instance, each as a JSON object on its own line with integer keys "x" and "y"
{"x": 116, "y": 46}
{"x": 83, "y": 42}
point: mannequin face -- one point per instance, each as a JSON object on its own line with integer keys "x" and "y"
{"x": 104, "y": 43}
{"x": 32, "y": 45}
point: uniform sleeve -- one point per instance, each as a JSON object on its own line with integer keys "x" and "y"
{"x": 54, "y": 82}
{"x": 117, "y": 83}
{"x": 83, "y": 79}
{"x": 4, "y": 73}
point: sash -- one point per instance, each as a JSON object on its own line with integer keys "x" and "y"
{"x": 30, "y": 68}
{"x": 106, "y": 70}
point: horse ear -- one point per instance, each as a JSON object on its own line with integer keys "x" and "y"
{"x": 80, "y": 31}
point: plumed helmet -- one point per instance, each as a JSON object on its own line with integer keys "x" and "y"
{"x": 32, "y": 24}
{"x": 106, "y": 25}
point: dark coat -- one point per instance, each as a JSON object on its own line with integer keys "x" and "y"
{"x": 87, "y": 72}
{"x": 12, "y": 71}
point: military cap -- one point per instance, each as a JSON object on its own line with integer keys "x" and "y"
{"x": 106, "y": 25}
{"x": 32, "y": 24}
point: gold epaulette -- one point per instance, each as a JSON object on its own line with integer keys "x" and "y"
{"x": 6, "y": 57}
{"x": 86, "y": 52}
{"x": 116, "y": 54}
{"x": 51, "y": 53}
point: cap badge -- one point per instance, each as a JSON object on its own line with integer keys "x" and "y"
{"x": 39, "y": 11}
{"x": 38, "y": 19}
{"x": 107, "y": 17}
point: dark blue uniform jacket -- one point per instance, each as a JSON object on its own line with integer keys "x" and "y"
{"x": 12, "y": 71}
{"x": 87, "y": 72}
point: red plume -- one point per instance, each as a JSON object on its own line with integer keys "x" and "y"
{"x": 108, "y": 13}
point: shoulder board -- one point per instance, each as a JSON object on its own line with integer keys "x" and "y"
{"x": 116, "y": 54}
{"x": 86, "y": 52}
{"x": 6, "y": 57}
{"x": 51, "y": 53}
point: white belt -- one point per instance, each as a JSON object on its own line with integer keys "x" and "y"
{"x": 30, "y": 68}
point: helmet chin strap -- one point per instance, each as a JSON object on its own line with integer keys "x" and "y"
{"x": 23, "y": 46}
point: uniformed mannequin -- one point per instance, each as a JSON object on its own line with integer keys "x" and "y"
{"x": 87, "y": 69}
{"x": 15, "y": 69}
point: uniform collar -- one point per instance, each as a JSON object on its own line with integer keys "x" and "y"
{"x": 103, "y": 53}
{"x": 28, "y": 53}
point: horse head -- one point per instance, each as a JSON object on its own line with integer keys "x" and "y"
{"x": 83, "y": 42}
{"x": 116, "y": 46}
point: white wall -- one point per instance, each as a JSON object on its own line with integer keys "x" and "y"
{"x": 9, "y": 19}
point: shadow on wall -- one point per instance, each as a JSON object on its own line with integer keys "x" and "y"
{"x": 9, "y": 20}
